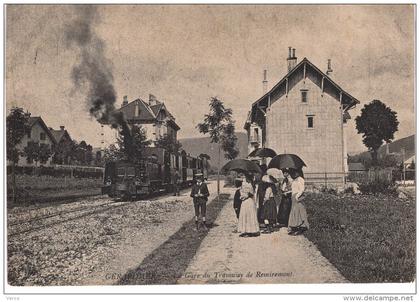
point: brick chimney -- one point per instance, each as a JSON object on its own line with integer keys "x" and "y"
{"x": 329, "y": 69}
{"x": 265, "y": 82}
{"x": 136, "y": 109}
{"x": 291, "y": 59}
{"x": 125, "y": 101}
{"x": 152, "y": 100}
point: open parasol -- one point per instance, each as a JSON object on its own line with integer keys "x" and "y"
{"x": 242, "y": 166}
{"x": 286, "y": 161}
{"x": 262, "y": 152}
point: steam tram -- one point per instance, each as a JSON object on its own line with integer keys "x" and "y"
{"x": 155, "y": 172}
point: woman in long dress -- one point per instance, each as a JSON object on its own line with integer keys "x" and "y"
{"x": 248, "y": 222}
{"x": 298, "y": 219}
{"x": 286, "y": 200}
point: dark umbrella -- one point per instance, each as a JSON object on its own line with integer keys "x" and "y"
{"x": 241, "y": 165}
{"x": 286, "y": 161}
{"x": 252, "y": 154}
{"x": 263, "y": 152}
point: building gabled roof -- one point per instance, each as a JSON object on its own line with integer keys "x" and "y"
{"x": 147, "y": 113}
{"x": 156, "y": 108}
{"x": 59, "y": 134}
{"x": 305, "y": 69}
{"x": 37, "y": 119}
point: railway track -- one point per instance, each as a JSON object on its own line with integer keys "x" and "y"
{"x": 21, "y": 225}
{"x": 53, "y": 214}
{"x": 31, "y": 225}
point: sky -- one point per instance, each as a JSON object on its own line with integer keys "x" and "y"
{"x": 186, "y": 54}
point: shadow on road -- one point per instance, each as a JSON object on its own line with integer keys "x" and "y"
{"x": 167, "y": 263}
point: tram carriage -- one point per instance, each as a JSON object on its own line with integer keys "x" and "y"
{"x": 155, "y": 172}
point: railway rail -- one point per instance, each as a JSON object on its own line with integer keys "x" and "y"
{"x": 64, "y": 216}
{"x": 21, "y": 225}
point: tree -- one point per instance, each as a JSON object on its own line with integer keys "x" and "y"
{"x": 36, "y": 152}
{"x": 377, "y": 123}
{"x": 112, "y": 153}
{"x": 17, "y": 126}
{"x": 130, "y": 145}
{"x": 31, "y": 152}
{"x": 45, "y": 153}
{"x": 219, "y": 125}
{"x": 169, "y": 143}
{"x": 82, "y": 153}
{"x": 63, "y": 152}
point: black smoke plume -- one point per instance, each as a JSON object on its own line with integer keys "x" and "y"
{"x": 93, "y": 72}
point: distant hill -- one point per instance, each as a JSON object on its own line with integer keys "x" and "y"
{"x": 197, "y": 145}
{"x": 408, "y": 143}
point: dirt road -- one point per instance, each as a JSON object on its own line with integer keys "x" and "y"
{"x": 100, "y": 242}
{"x": 224, "y": 257}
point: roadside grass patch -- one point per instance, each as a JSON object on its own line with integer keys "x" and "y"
{"x": 31, "y": 188}
{"x": 368, "y": 238}
{"x": 167, "y": 263}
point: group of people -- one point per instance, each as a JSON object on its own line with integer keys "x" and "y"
{"x": 262, "y": 205}
{"x": 270, "y": 204}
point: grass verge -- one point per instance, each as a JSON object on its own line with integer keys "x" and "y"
{"x": 167, "y": 263}
{"x": 367, "y": 238}
{"x": 46, "y": 188}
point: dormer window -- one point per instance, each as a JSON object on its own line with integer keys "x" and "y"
{"x": 304, "y": 95}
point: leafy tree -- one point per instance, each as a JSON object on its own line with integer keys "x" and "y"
{"x": 31, "y": 152}
{"x": 45, "y": 153}
{"x": 168, "y": 143}
{"x": 89, "y": 155}
{"x": 82, "y": 153}
{"x": 17, "y": 126}
{"x": 377, "y": 123}
{"x": 113, "y": 153}
{"x": 36, "y": 152}
{"x": 130, "y": 144}
{"x": 219, "y": 125}
{"x": 63, "y": 152}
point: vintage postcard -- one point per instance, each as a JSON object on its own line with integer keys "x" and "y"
{"x": 210, "y": 144}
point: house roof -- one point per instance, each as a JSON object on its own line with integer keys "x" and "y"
{"x": 147, "y": 113}
{"x": 59, "y": 134}
{"x": 309, "y": 70}
{"x": 37, "y": 119}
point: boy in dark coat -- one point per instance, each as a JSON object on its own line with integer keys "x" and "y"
{"x": 237, "y": 198}
{"x": 200, "y": 194}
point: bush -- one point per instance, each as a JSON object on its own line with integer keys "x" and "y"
{"x": 377, "y": 181}
{"x": 328, "y": 189}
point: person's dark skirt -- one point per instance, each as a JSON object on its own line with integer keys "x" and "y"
{"x": 269, "y": 211}
{"x": 284, "y": 210}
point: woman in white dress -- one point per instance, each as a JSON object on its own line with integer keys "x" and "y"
{"x": 298, "y": 219}
{"x": 248, "y": 221}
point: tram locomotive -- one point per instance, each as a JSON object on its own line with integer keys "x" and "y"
{"x": 155, "y": 172}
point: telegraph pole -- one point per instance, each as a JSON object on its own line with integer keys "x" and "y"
{"x": 403, "y": 160}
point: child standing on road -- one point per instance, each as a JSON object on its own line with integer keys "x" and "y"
{"x": 237, "y": 198}
{"x": 200, "y": 194}
{"x": 269, "y": 211}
